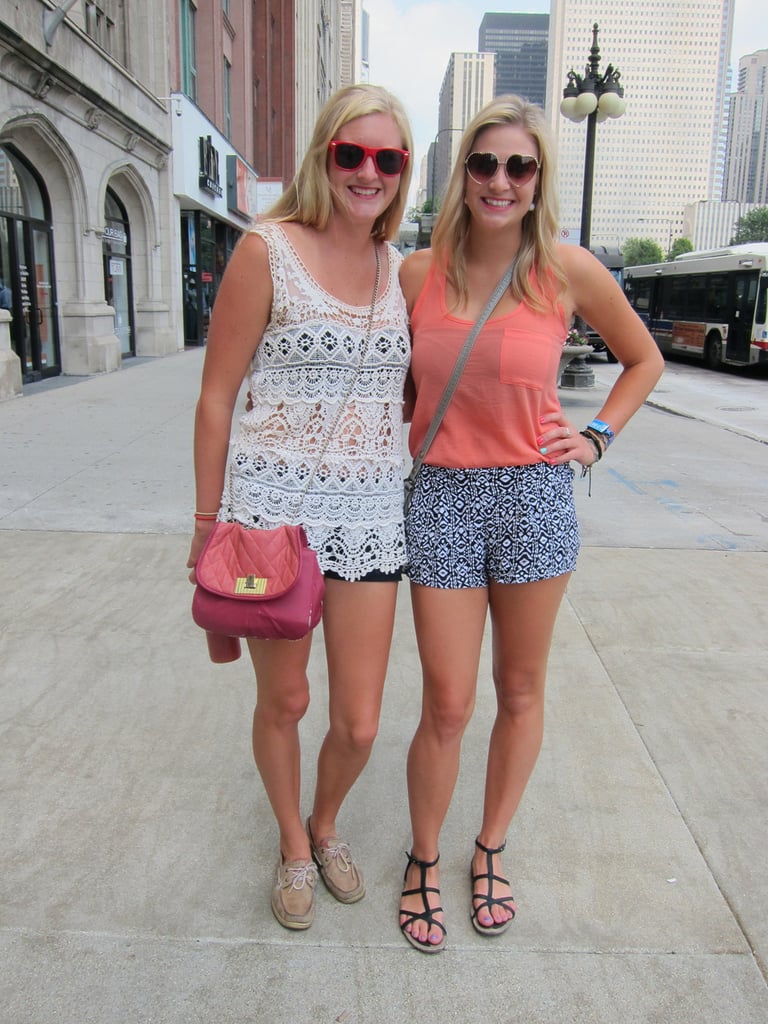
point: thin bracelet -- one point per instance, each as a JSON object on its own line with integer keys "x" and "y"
{"x": 595, "y": 444}
{"x": 206, "y": 515}
{"x": 597, "y": 436}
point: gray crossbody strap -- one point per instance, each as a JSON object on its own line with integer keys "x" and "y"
{"x": 458, "y": 369}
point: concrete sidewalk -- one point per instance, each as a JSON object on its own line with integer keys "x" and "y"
{"x": 139, "y": 848}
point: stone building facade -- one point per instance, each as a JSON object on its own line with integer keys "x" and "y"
{"x": 86, "y": 212}
{"x": 137, "y": 142}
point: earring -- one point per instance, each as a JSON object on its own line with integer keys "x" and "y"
{"x": 532, "y": 207}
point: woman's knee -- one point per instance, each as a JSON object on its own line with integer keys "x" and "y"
{"x": 447, "y": 714}
{"x": 520, "y": 692}
{"x": 358, "y": 734}
{"x": 281, "y": 706}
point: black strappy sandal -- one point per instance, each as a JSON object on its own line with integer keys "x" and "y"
{"x": 428, "y": 914}
{"x": 490, "y": 900}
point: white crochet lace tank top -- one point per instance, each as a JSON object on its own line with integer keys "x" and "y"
{"x": 353, "y": 510}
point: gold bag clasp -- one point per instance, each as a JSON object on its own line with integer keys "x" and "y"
{"x": 251, "y": 585}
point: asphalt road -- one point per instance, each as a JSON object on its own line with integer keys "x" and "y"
{"x": 694, "y": 458}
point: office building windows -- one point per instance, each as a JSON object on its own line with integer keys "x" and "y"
{"x": 187, "y": 28}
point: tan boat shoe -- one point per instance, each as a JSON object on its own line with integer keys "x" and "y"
{"x": 343, "y": 878}
{"x": 293, "y": 897}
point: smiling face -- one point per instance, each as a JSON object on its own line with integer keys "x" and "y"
{"x": 364, "y": 193}
{"x": 499, "y": 202}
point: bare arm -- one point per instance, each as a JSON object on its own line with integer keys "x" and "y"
{"x": 240, "y": 315}
{"x": 597, "y": 298}
{"x": 595, "y": 295}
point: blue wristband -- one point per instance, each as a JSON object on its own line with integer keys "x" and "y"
{"x": 603, "y": 429}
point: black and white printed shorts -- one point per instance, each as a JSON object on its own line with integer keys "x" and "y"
{"x": 468, "y": 527}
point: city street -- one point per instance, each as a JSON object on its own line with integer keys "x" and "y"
{"x": 698, "y": 475}
{"x": 139, "y": 847}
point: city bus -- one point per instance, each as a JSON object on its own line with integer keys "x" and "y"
{"x": 709, "y": 304}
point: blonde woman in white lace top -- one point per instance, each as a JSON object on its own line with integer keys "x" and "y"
{"x": 292, "y": 314}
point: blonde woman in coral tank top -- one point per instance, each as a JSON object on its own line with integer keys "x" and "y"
{"x": 491, "y": 528}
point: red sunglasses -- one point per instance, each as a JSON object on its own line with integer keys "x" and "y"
{"x": 348, "y": 156}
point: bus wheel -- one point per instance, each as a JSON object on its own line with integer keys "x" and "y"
{"x": 713, "y": 351}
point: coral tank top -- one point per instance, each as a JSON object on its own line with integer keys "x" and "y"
{"x": 508, "y": 382}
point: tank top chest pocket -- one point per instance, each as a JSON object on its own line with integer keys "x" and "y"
{"x": 527, "y": 358}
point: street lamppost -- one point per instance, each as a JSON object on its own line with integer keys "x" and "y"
{"x": 595, "y": 97}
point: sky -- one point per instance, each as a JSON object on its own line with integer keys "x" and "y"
{"x": 411, "y": 42}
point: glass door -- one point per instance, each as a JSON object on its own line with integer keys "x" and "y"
{"x": 118, "y": 285}
{"x": 742, "y": 306}
{"x": 45, "y": 317}
{"x": 27, "y": 280}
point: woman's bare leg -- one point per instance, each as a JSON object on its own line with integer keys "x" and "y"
{"x": 449, "y": 629}
{"x": 523, "y": 618}
{"x": 358, "y": 620}
{"x": 282, "y": 700}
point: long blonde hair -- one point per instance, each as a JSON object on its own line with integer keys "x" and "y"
{"x": 309, "y": 199}
{"x": 539, "y": 228}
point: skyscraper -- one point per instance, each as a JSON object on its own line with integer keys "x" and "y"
{"x": 662, "y": 153}
{"x": 467, "y": 86}
{"x": 746, "y": 159}
{"x": 520, "y": 44}
{"x": 353, "y": 43}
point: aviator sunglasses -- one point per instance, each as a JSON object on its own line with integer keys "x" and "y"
{"x": 481, "y": 167}
{"x": 348, "y": 156}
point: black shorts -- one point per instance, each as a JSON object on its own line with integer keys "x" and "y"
{"x": 372, "y": 577}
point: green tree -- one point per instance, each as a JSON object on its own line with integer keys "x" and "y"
{"x": 678, "y": 246}
{"x": 752, "y": 227}
{"x": 639, "y": 251}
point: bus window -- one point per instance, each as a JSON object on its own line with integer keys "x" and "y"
{"x": 671, "y": 298}
{"x": 717, "y": 296}
{"x": 667, "y": 297}
{"x": 696, "y": 297}
{"x": 640, "y": 294}
{"x": 762, "y": 302}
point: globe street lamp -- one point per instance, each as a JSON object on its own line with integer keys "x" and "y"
{"x": 595, "y": 97}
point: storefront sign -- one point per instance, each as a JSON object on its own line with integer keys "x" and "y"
{"x": 208, "y": 177}
{"x": 268, "y": 191}
{"x": 115, "y": 234}
{"x": 241, "y": 187}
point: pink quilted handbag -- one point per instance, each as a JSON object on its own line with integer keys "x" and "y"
{"x": 264, "y": 584}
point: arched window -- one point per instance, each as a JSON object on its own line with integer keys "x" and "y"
{"x": 27, "y": 280}
{"x": 118, "y": 279}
